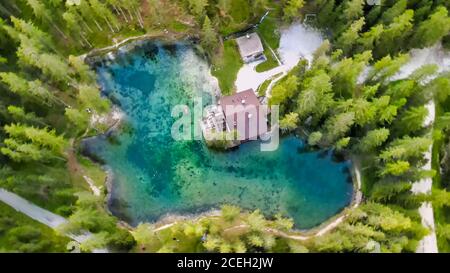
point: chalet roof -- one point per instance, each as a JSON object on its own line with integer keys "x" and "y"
{"x": 241, "y": 113}
{"x": 247, "y": 96}
{"x": 249, "y": 45}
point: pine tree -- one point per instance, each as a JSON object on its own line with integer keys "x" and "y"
{"x": 37, "y": 37}
{"x": 401, "y": 90}
{"x": 395, "y": 168}
{"x": 322, "y": 50}
{"x": 337, "y": 126}
{"x": 342, "y": 143}
{"x": 396, "y": 10}
{"x": 282, "y": 223}
{"x": 86, "y": 75}
{"x": 256, "y": 221}
{"x": 259, "y": 5}
{"x": 15, "y": 83}
{"x": 406, "y": 148}
{"x": 440, "y": 88}
{"x": 291, "y": 9}
{"x": 432, "y": 30}
{"x": 424, "y": 73}
{"x": 28, "y": 89}
{"x": 224, "y": 7}
{"x": 79, "y": 118}
{"x": 209, "y": 38}
{"x": 316, "y": 97}
{"x": 197, "y": 7}
{"x": 284, "y": 91}
{"x": 346, "y": 72}
{"x": 347, "y": 40}
{"x": 386, "y": 219}
{"x": 72, "y": 22}
{"x": 394, "y": 36}
{"x": 89, "y": 97}
{"x": 386, "y": 67}
{"x": 289, "y": 122}
{"x": 411, "y": 120}
{"x": 20, "y": 115}
{"x": 314, "y": 138}
{"x": 327, "y": 16}
{"x": 353, "y": 10}
{"x": 440, "y": 198}
{"x": 369, "y": 39}
{"x": 53, "y": 66}
{"x": 230, "y": 213}
{"x": 239, "y": 247}
{"x": 26, "y": 143}
{"x": 384, "y": 191}
{"x": 39, "y": 9}
{"x": 365, "y": 112}
{"x": 373, "y": 139}
{"x": 374, "y": 14}
{"x": 103, "y": 12}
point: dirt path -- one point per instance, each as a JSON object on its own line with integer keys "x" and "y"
{"x": 75, "y": 168}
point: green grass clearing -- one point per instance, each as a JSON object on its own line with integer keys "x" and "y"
{"x": 270, "y": 35}
{"x": 269, "y": 64}
{"x": 269, "y": 32}
{"x": 263, "y": 87}
{"x": 93, "y": 170}
{"x": 226, "y": 67}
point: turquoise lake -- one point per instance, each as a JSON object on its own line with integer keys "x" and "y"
{"x": 155, "y": 176}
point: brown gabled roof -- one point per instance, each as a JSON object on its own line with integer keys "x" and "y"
{"x": 241, "y": 113}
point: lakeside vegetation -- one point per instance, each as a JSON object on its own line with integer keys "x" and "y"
{"x": 49, "y": 98}
{"x": 440, "y": 161}
{"x": 226, "y": 69}
{"x": 334, "y": 109}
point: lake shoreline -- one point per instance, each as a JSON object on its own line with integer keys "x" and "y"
{"x": 163, "y": 36}
{"x": 171, "y": 218}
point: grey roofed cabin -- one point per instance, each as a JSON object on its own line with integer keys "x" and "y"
{"x": 250, "y": 47}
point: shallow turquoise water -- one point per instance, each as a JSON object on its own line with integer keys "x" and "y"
{"x": 155, "y": 175}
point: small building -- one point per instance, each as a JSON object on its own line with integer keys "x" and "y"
{"x": 250, "y": 47}
{"x": 241, "y": 113}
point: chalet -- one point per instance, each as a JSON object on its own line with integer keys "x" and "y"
{"x": 250, "y": 47}
{"x": 241, "y": 113}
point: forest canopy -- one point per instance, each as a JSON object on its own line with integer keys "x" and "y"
{"x": 348, "y": 100}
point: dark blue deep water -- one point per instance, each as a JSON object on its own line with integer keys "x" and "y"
{"x": 155, "y": 176}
